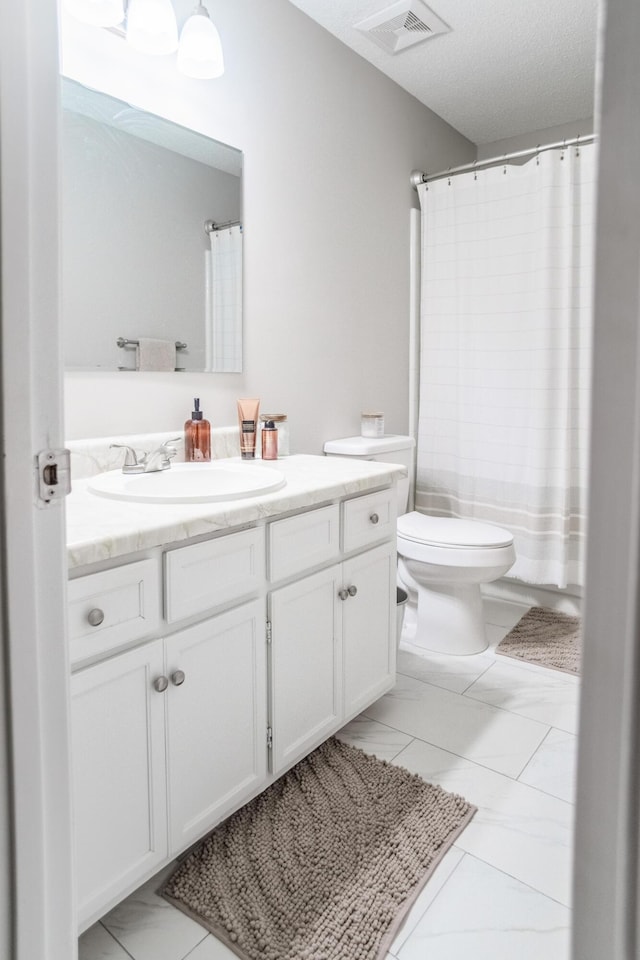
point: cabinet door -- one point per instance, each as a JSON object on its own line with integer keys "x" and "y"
{"x": 369, "y": 619}
{"x": 119, "y": 784}
{"x": 216, "y": 720}
{"x": 305, "y": 665}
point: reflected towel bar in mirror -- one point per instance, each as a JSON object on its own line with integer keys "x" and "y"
{"x": 124, "y": 342}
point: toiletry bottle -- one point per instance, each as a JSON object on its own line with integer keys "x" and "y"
{"x": 269, "y": 441}
{"x": 197, "y": 436}
{"x": 248, "y": 423}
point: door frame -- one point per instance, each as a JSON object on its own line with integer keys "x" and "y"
{"x": 33, "y": 540}
{"x": 608, "y": 793}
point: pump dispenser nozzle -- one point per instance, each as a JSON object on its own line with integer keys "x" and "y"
{"x": 196, "y": 413}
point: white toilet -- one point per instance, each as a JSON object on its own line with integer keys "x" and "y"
{"x": 441, "y": 560}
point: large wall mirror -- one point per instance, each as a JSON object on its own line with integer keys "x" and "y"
{"x": 151, "y": 243}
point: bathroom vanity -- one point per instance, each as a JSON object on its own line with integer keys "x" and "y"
{"x": 214, "y": 645}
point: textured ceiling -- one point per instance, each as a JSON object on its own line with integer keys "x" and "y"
{"x": 507, "y": 67}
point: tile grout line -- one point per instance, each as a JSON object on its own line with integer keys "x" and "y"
{"x": 483, "y": 766}
{"x": 426, "y": 911}
{"x": 538, "y": 748}
{"x": 199, "y": 944}
{"x": 505, "y": 873}
{"x": 115, "y": 939}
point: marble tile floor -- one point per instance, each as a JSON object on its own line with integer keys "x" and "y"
{"x": 502, "y": 734}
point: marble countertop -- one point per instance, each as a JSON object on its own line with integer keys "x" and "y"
{"x": 101, "y": 529}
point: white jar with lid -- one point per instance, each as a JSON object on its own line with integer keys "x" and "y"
{"x": 371, "y": 424}
{"x": 282, "y": 426}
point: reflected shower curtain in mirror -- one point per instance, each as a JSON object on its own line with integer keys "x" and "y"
{"x": 506, "y": 306}
{"x": 223, "y": 343}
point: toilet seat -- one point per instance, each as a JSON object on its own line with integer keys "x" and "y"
{"x": 452, "y": 532}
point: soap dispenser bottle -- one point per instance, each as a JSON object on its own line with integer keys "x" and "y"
{"x": 197, "y": 436}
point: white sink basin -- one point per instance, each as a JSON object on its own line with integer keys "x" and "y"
{"x": 190, "y": 483}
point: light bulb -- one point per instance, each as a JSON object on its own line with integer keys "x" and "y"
{"x": 151, "y": 26}
{"x": 200, "y": 50}
{"x": 98, "y": 13}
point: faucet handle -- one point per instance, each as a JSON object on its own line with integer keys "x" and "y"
{"x": 131, "y": 462}
{"x": 169, "y": 450}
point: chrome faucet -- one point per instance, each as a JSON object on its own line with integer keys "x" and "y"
{"x": 153, "y": 462}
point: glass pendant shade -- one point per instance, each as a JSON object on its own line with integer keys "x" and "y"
{"x": 98, "y": 13}
{"x": 200, "y": 50}
{"x": 151, "y": 26}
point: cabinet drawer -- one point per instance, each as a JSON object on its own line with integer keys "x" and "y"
{"x": 205, "y": 575}
{"x": 299, "y": 543}
{"x": 109, "y": 609}
{"x": 369, "y": 519}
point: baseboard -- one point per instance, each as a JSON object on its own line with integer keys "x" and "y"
{"x": 515, "y": 591}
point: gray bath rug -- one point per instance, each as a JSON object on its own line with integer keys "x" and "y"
{"x": 324, "y": 864}
{"x": 545, "y": 637}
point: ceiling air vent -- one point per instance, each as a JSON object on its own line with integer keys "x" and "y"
{"x": 402, "y": 25}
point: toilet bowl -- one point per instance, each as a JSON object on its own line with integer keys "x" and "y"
{"x": 442, "y": 561}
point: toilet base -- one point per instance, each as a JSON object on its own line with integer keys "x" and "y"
{"x": 447, "y": 620}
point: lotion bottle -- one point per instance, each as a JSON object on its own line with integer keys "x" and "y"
{"x": 197, "y": 436}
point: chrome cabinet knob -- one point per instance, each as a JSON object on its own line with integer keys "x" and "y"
{"x": 95, "y": 616}
{"x": 374, "y": 518}
{"x": 352, "y": 591}
{"x": 160, "y": 684}
{"x": 343, "y": 594}
{"x": 178, "y": 678}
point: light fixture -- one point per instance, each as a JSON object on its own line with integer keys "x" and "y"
{"x": 151, "y": 26}
{"x": 200, "y": 50}
{"x": 97, "y": 13}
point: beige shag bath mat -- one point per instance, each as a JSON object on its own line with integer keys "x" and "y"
{"x": 324, "y": 864}
{"x": 545, "y": 637}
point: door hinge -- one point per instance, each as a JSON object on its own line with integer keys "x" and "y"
{"x": 54, "y": 474}
{"x": 269, "y": 738}
{"x": 269, "y": 631}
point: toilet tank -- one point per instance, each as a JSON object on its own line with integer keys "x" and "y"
{"x": 392, "y": 448}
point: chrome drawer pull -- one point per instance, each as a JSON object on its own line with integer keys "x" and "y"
{"x": 343, "y": 594}
{"x": 374, "y": 518}
{"x": 178, "y": 678}
{"x": 95, "y": 617}
{"x": 160, "y": 684}
{"x": 352, "y": 590}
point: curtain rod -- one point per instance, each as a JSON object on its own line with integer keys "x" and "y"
{"x": 417, "y": 177}
{"x": 210, "y": 226}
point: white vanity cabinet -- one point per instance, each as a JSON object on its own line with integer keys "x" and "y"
{"x": 216, "y": 720}
{"x": 259, "y": 644}
{"x": 119, "y": 776}
{"x": 332, "y": 633}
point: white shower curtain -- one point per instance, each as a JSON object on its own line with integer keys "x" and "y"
{"x": 505, "y": 355}
{"x": 223, "y": 343}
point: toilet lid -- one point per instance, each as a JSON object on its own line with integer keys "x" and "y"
{"x": 451, "y": 532}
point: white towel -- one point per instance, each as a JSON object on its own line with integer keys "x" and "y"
{"x": 155, "y": 354}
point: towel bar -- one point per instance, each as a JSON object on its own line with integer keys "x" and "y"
{"x": 123, "y": 342}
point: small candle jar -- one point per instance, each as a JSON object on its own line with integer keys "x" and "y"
{"x": 372, "y": 424}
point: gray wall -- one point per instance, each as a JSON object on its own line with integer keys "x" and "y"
{"x": 566, "y": 131}
{"x": 329, "y": 145}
